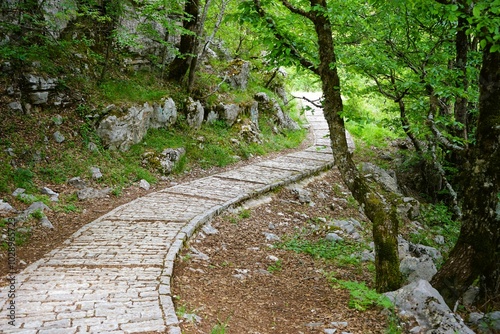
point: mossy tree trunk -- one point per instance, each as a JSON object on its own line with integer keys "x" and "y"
{"x": 382, "y": 215}
{"x": 477, "y": 250}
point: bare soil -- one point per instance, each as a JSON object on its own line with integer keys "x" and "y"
{"x": 43, "y": 240}
{"x": 245, "y": 291}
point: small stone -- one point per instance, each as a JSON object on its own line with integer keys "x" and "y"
{"x": 475, "y": 317}
{"x": 27, "y": 197}
{"x": 58, "y": 137}
{"x": 77, "y": 182}
{"x": 48, "y": 191}
{"x": 439, "y": 239}
{"x": 6, "y": 207}
{"x": 333, "y": 237}
{"x": 39, "y": 97}
{"x": 89, "y": 193}
{"x": 339, "y": 324}
{"x": 493, "y": 320}
{"x": 37, "y": 206}
{"x": 45, "y": 222}
{"x": 10, "y": 152}
{"x": 196, "y": 254}
{"x": 16, "y": 106}
{"x": 144, "y": 184}
{"x": 367, "y": 256}
{"x": 470, "y": 295}
{"x": 271, "y": 237}
{"x": 272, "y": 226}
{"x": 330, "y": 330}
{"x": 209, "y": 229}
{"x": 273, "y": 258}
{"x": 96, "y": 173}
{"x": 23, "y": 230}
{"x": 92, "y": 147}
{"x": 57, "y": 119}
{"x": 191, "y": 317}
{"x": 18, "y": 192}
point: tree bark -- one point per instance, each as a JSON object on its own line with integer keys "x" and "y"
{"x": 477, "y": 250}
{"x": 385, "y": 222}
{"x": 179, "y": 67}
{"x": 461, "y": 103}
{"x": 379, "y": 210}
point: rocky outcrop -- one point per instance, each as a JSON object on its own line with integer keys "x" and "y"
{"x": 238, "y": 73}
{"x": 124, "y": 128}
{"x": 163, "y": 162}
{"x": 164, "y": 115}
{"x": 195, "y": 113}
{"x": 420, "y": 302}
{"x": 228, "y": 112}
{"x": 39, "y": 88}
{"x": 383, "y": 177}
{"x": 120, "y": 129}
{"x": 271, "y": 106}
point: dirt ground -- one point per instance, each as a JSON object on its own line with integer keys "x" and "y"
{"x": 43, "y": 240}
{"x": 245, "y": 285}
{"x": 291, "y": 295}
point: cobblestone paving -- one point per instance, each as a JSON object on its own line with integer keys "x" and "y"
{"x": 113, "y": 275}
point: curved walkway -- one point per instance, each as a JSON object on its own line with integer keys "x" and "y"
{"x": 113, "y": 275}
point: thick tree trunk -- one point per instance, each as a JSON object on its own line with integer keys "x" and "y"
{"x": 179, "y": 67}
{"x": 385, "y": 222}
{"x": 478, "y": 247}
{"x": 461, "y": 103}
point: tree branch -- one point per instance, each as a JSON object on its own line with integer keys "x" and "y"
{"x": 293, "y": 52}
{"x": 296, "y": 10}
{"x": 313, "y": 102}
{"x": 439, "y": 136}
{"x": 442, "y": 173}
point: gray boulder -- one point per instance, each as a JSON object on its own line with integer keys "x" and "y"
{"x": 163, "y": 162}
{"x": 271, "y": 106}
{"x": 254, "y": 113}
{"x": 59, "y": 137}
{"x": 122, "y": 129}
{"x": 333, "y": 237}
{"x": 381, "y": 176}
{"x": 229, "y": 112}
{"x": 419, "y": 300}
{"x": 16, "y": 106}
{"x": 417, "y": 268}
{"x": 96, "y": 173}
{"x": 6, "y": 208}
{"x": 45, "y": 222}
{"x": 91, "y": 193}
{"x": 54, "y": 197}
{"x": 212, "y": 117}
{"x": 421, "y": 251}
{"x": 144, "y": 184}
{"x": 39, "y": 97}
{"x": 77, "y": 182}
{"x": 164, "y": 116}
{"x": 239, "y": 72}
{"x": 194, "y": 113}
{"x": 282, "y": 119}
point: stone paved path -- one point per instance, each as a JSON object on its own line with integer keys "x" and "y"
{"x": 113, "y": 275}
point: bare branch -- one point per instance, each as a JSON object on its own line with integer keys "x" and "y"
{"x": 439, "y": 136}
{"x": 313, "y": 102}
{"x": 442, "y": 173}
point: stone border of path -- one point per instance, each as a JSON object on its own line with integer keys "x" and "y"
{"x": 114, "y": 274}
